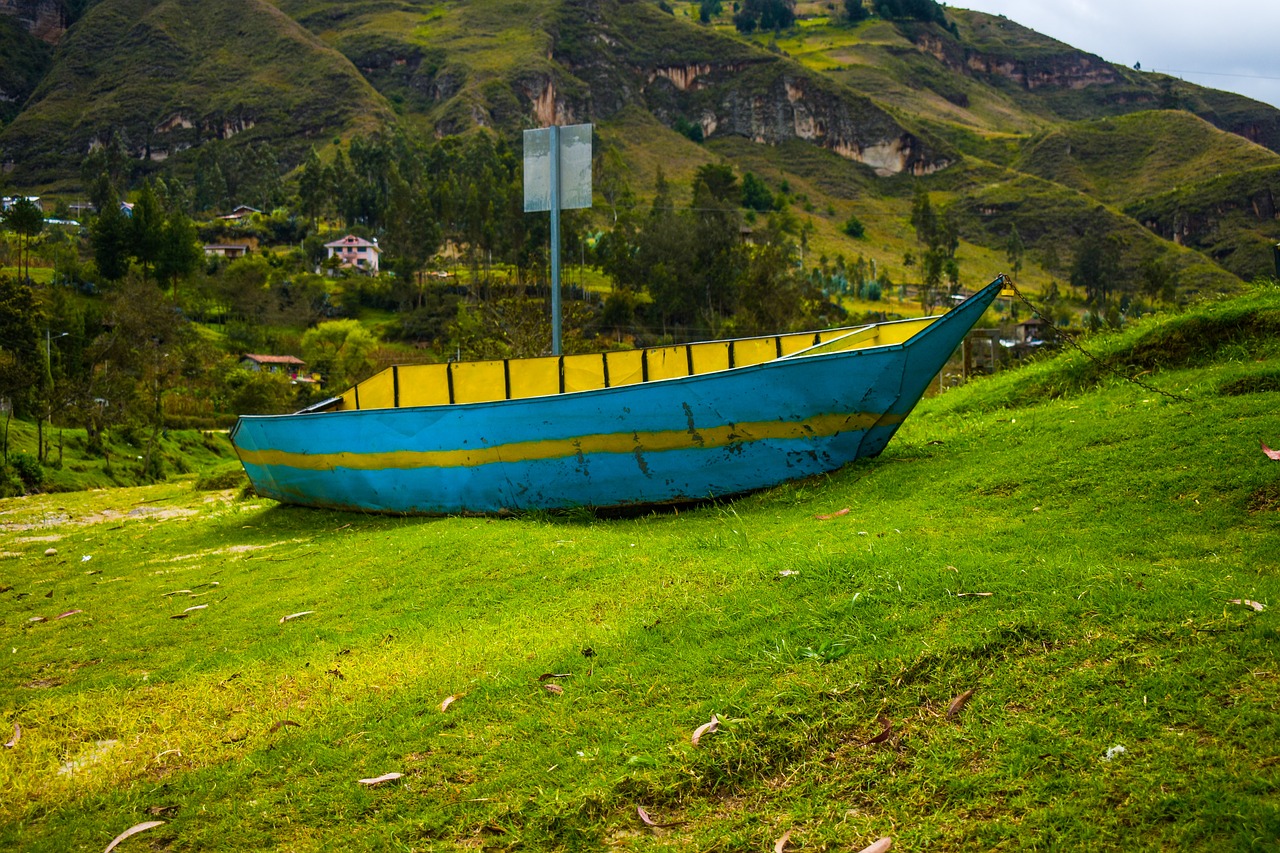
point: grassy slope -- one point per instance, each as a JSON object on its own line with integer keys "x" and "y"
{"x": 1120, "y": 160}
{"x": 1110, "y": 527}
{"x": 24, "y": 59}
{"x": 131, "y": 65}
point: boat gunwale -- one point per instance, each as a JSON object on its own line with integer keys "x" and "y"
{"x": 780, "y": 361}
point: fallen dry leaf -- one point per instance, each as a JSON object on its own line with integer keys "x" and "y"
{"x": 68, "y": 613}
{"x": 547, "y": 676}
{"x": 176, "y": 592}
{"x": 1271, "y": 454}
{"x": 195, "y": 607}
{"x": 37, "y": 619}
{"x": 886, "y": 730}
{"x": 880, "y": 846}
{"x": 1256, "y": 605}
{"x": 781, "y": 844}
{"x": 284, "y": 619}
{"x": 835, "y": 514}
{"x": 648, "y": 821}
{"x": 553, "y": 688}
{"x": 378, "y": 780}
{"x": 132, "y": 831}
{"x": 448, "y": 700}
{"x": 978, "y": 594}
{"x": 159, "y": 810}
{"x": 958, "y": 703}
{"x": 705, "y": 728}
{"x": 280, "y": 724}
{"x": 17, "y": 736}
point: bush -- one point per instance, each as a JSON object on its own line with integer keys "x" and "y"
{"x": 11, "y": 485}
{"x": 223, "y": 478}
{"x": 853, "y": 227}
{"x": 28, "y": 469}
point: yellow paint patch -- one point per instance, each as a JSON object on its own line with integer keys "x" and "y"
{"x": 822, "y": 426}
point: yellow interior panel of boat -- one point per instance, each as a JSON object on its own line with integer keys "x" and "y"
{"x": 533, "y": 377}
{"x": 424, "y": 384}
{"x": 626, "y": 367}
{"x": 509, "y": 379}
{"x": 668, "y": 362}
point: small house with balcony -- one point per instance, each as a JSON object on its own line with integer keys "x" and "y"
{"x": 355, "y": 252}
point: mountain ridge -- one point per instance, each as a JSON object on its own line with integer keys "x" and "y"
{"x": 900, "y": 99}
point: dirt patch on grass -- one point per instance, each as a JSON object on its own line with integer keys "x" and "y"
{"x": 153, "y": 513}
{"x": 1266, "y": 499}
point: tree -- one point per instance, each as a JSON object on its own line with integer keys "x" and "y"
{"x": 180, "y": 253}
{"x": 26, "y": 219}
{"x": 755, "y": 195}
{"x": 110, "y": 237}
{"x": 775, "y": 15}
{"x": 708, "y": 9}
{"x": 1096, "y": 268}
{"x": 1014, "y": 248}
{"x": 855, "y": 11}
{"x": 147, "y": 229}
{"x": 937, "y": 231}
{"x": 341, "y": 351}
{"x": 854, "y": 228}
{"x": 314, "y": 188}
{"x": 141, "y": 359}
{"x": 1159, "y": 279}
{"x": 910, "y": 10}
{"x": 21, "y": 350}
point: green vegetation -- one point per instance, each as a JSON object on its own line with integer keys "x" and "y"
{"x": 859, "y": 161}
{"x": 1084, "y": 558}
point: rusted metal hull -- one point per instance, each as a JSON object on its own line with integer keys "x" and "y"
{"x": 692, "y": 438}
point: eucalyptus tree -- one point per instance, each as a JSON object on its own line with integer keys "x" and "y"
{"x": 26, "y": 219}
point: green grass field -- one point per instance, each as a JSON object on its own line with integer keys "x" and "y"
{"x": 1064, "y": 544}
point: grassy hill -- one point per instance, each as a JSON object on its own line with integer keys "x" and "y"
{"x": 168, "y": 75}
{"x": 1124, "y": 159}
{"x": 1077, "y": 556}
{"x": 851, "y": 118}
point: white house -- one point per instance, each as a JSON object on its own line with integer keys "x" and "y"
{"x": 357, "y": 252}
{"x": 10, "y": 200}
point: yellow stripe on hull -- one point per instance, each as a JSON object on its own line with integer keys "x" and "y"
{"x": 529, "y": 451}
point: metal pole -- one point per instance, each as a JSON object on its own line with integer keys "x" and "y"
{"x": 555, "y": 239}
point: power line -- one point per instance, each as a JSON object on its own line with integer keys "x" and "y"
{"x": 1213, "y": 74}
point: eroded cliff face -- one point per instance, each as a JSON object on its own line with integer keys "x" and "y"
{"x": 1069, "y": 69}
{"x": 794, "y": 107}
{"x": 47, "y": 20}
{"x": 615, "y": 55}
{"x": 758, "y": 100}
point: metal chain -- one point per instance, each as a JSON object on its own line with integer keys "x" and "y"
{"x": 1071, "y": 339}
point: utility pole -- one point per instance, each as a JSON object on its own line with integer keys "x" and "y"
{"x": 48, "y": 393}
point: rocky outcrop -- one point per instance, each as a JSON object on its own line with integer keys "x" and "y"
{"x": 1068, "y": 69}
{"x": 616, "y": 55}
{"x": 770, "y": 106}
{"x": 47, "y": 20}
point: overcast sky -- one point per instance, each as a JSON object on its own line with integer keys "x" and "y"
{"x": 1222, "y": 44}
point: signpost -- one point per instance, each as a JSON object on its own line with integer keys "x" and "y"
{"x": 557, "y": 176}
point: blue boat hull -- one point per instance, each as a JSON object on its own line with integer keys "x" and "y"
{"x": 692, "y": 438}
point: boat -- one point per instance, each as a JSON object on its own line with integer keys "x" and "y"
{"x": 660, "y": 425}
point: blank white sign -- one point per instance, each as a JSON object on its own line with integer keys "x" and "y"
{"x": 575, "y": 168}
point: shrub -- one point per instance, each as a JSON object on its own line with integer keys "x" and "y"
{"x": 11, "y": 485}
{"x": 223, "y": 478}
{"x": 853, "y": 227}
{"x": 28, "y": 469}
